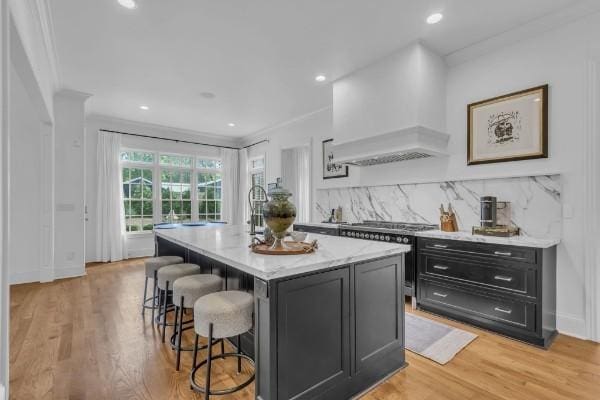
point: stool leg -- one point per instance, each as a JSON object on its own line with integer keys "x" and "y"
{"x": 145, "y": 294}
{"x": 164, "y": 321}
{"x": 160, "y": 296}
{"x": 222, "y": 346}
{"x": 179, "y": 333}
{"x": 195, "y": 355}
{"x": 208, "y": 362}
{"x": 154, "y": 294}
{"x": 239, "y": 350}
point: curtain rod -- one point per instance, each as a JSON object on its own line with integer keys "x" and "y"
{"x": 184, "y": 141}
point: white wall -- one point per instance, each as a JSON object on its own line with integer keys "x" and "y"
{"x": 558, "y": 58}
{"x": 25, "y": 182}
{"x": 4, "y": 140}
{"x": 139, "y": 244}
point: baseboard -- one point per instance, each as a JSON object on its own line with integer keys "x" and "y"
{"x": 24, "y": 277}
{"x": 571, "y": 325}
{"x": 140, "y": 253}
{"x": 69, "y": 272}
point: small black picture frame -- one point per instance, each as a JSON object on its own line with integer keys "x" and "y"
{"x": 332, "y": 170}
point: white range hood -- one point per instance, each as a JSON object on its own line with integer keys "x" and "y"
{"x": 392, "y": 110}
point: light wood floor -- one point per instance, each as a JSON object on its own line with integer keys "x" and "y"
{"x": 84, "y": 338}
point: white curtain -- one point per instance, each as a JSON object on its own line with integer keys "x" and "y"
{"x": 295, "y": 174}
{"x": 110, "y": 234}
{"x": 244, "y": 187}
{"x": 230, "y": 208}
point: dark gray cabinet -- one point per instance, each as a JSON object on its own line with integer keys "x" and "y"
{"x": 333, "y": 230}
{"x": 507, "y": 289}
{"x": 337, "y": 332}
{"x": 378, "y": 320}
{"x": 314, "y": 336}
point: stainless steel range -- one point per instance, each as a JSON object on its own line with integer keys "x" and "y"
{"x": 398, "y": 232}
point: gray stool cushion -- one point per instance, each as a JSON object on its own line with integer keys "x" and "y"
{"x": 156, "y": 263}
{"x": 192, "y": 287}
{"x": 230, "y": 312}
{"x": 172, "y": 272}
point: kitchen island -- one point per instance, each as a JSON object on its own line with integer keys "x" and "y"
{"x": 327, "y": 325}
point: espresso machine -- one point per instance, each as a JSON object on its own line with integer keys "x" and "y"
{"x": 495, "y": 218}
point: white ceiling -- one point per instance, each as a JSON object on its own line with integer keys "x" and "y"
{"x": 258, "y": 57}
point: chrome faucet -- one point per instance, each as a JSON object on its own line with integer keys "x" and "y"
{"x": 253, "y": 209}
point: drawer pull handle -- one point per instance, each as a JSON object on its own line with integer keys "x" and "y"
{"x": 502, "y": 253}
{"x": 440, "y": 246}
{"x": 440, "y": 294}
{"x": 441, "y": 267}
{"x": 503, "y": 310}
{"x": 503, "y": 278}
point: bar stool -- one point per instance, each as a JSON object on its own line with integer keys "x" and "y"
{"x": 221, "y": 315}
{"x": 152, "y": 265}
{"x": 186, "y": 291}
{"x": 165, "y": 277}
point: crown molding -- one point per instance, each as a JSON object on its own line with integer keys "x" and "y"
{"x": 280, "y": 125}
{"x": 141, "y": 126}
{"x": 530, "y": 29}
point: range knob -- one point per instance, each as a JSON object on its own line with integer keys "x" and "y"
{"x": 405, "y": 240}
{"x": 362, "y": 235}
{"x": 343, "y": 233}
{"x": 399, "y": 239}
{"x": 371, "y": 236}
{"x": 387, "y": 238}
{"x": 376, "y": 237}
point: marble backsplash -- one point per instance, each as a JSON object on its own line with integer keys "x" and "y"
{"x": 535, "y": 202}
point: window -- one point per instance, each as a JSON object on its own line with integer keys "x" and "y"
{"x": 187, "y": 187}
{"x": 137, "y": 199}
{"x": 257, "y": 177}
{"x": 209, "y": 189}
{"x": 176, "y": 194}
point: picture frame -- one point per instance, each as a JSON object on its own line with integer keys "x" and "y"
{"x": 332, "y": 170}
{"x": 511, "y": 127}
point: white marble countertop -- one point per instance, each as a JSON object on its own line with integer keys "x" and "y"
{"x": 523, "y": 241}
{"x": 229, "y": 244}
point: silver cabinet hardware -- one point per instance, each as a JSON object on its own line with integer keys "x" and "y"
{"x": 502, "y": 253}
{"x": 440, "y": 246}
{"x": 503, "y": 278}
{"x": 503, "y": 310}
{"x": 441, "y": 267}
{"x": 440, "y": 294}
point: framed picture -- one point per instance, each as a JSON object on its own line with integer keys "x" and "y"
{"x": 508, "y": 128}
{"x": 330, "y": 169}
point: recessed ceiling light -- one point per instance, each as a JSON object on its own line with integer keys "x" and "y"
{"x": 320, "y": 78}
{"x": 537, "y": 99}
{"x": 130, "y": 4}
{"x": 231, "y": 124}
{"x": 434, "y": 18}
{"x": 208, "y": 95}
{"x": 145, "y": 108}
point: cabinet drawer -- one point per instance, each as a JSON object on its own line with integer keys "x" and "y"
{"x": 332, "y": 231}
{"x": 519, "y": 279}
{"x": 520, "y": 254}
{"x": 509, "y": 312}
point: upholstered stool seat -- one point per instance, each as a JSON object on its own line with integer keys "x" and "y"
{"x": 151, "y": 266}
{"x": 166, "y": 277}
{"x": 216, "y": 316}
{"x": 190, "y": 288}
{"x": 229, "y": 312}
{"x": 155, "y": 263}
{"x": 186, "y": 291}
{"x": 171, "y": 273}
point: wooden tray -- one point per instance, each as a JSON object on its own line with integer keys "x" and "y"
{"x": 294, "y": 248}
